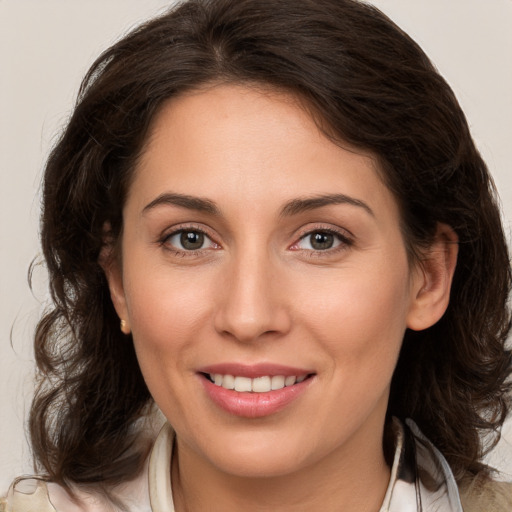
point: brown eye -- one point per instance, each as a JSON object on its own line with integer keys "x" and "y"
{"x": 321, "y": 240}
{"x": 191, "y": 240}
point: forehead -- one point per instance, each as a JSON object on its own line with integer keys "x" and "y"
{"x": 239, "y": 143}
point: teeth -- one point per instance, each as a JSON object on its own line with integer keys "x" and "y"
{"x": 258, "y": 385}
{"x": 277, "y": 382}
{"x": 228, "y": 382}
{"x": 243, "y": 384}
{"x": 290, "y": 381}
{"x": 262, "y": 384}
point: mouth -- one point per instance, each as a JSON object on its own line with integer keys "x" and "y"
{"x": 254, "y": 391}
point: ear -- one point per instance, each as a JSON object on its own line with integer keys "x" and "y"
{"x": 432, "y": 280}
{"x": 111, "y": 265}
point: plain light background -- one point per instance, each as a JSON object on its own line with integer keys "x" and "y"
{"x": 46, "y": 47}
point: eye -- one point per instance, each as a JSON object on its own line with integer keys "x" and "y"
{"x": 321, "y": 240}
{"x": 190, "y": 240}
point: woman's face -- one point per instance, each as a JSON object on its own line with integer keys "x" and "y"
{"x": 256, "y": 252}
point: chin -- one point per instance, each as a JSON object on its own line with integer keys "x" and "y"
{"x": 262, "y": 464}
{"x": 256, "y": 454}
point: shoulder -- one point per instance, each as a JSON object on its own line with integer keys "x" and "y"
{"x": 483, "y": 494}
{"x": 34, "y": 494}
{"x": 26, "y": 494}
{"x": 29, "y": 494}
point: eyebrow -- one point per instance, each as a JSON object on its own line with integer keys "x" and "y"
{"x": 184, "y": 201}
{"x": 293, "y": 207}
{"x": 300, "y": 205}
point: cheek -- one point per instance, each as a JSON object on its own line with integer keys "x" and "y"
{"x": 167, "y": 313}
{"x": 360, "y": 317}
{"x": 166, "y": 310}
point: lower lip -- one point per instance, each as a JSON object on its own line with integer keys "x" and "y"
{"x": 253, "y": 405}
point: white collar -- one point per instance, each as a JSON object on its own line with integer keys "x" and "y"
{"x": 159, "y": 472}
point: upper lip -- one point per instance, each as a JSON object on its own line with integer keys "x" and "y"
{"x": 254, "y": 370}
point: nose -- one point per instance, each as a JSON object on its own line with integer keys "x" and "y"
{"x": 251, "y": 304}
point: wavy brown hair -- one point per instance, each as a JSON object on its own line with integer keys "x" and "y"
{"x": 366, "y": 83}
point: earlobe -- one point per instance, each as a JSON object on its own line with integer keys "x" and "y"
{"x": 111, "y": 266}
{"x": 433, "y": 279}
{"x": 125, "y": 328}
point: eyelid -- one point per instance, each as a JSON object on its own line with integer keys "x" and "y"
{"x": 324, "y": 226}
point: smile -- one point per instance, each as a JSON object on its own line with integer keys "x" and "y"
{"x": 254, "y": 391}
{"x": 262, "y": 384}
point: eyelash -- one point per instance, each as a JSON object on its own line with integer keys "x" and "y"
{"x": 345, "y": 241}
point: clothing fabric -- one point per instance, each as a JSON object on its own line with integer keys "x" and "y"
{"x": 421, "y": 481}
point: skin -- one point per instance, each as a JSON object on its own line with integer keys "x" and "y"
{"x": 257, "y": 291}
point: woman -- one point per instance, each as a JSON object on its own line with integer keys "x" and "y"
{"x": 269, "y": 219}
